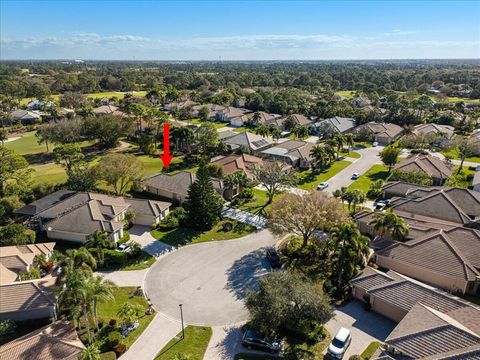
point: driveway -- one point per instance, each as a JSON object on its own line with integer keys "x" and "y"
{"x": 366, "y": 326}
{"x": 141, "y": 234}
{"x": 124, "y": 278}
{"x": 210, "y": 279}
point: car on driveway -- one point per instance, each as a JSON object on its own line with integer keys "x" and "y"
{"x": 125, "y": 248}
{"x": 253, "y": 340}
{"x": 355, "y": 176}
{"x": 340, "y": 343}
{"x": 375, "y": 144}
{"x": 322, "y": 186}
{"x": 273, "y": 258}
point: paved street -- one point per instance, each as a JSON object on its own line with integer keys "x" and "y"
{"x": 369, "y": 157}
{"x": 366, "y": 326}
{"x": 210, "y": 279}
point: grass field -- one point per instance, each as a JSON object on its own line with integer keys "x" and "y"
{"x": 193, "y": 346}
{"x": 28, "y": 144}
{"x": 50, "y": 173}
{"x": 97, "y": 95}
{"x": 185, "y": 236}
{"x": 309, "y": 181}
{"x": 376, "y": 172}
{"x": 453, "y": 99}
{"x": 453, "y": 154}
{"x": 218, "y": 125}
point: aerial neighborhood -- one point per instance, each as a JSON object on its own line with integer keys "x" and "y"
{"x": 189, "y": 210}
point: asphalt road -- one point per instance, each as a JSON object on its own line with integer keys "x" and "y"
{"x": 210, "y": 279}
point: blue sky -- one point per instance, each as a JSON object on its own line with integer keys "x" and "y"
{"x": 239, "y": 30}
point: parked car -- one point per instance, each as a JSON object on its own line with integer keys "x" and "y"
{"x": 124, "y": 248}
{"x": 375, "y": 144}
{"x": 252, "y": 340}
{"x": 273, "y": 258}
{"x": 355, "y": 176}
{"x": 340, "y": 343}
{"x": 380, "y": 205}
{"x": 322, "y": 186}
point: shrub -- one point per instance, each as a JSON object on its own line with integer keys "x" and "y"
{"x": 30, "y": 275}
{"x": 119, "y": 349}
{"x": 227, "y": 225}
{"x": 7, "y": 327}
{"x": 135, "y": 249}
{"x": 115, "y": 257}
{"x": 114, "y": 339}
{"x": 108, "y": 356}
{"x": 247, "y": 194}
{"x": 125, "y": 237}
{"x": 355, "y": 357}
{"x": 112, "y": 323}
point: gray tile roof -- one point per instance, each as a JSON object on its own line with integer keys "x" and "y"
{"x": 250, "y": 141}
{"x": 178, "y": 183}
{"x": 430, "y": 165}
{"x": 340, "y": 124}
{"x": 45, "y": 202}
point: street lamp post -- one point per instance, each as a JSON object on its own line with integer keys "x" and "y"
{"x": 181, "y": 316}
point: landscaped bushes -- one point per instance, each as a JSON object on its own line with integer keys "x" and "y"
{"x": 108, "y": 356}
{"x": 174, "y": 219}
{"x": 115, "y": 257}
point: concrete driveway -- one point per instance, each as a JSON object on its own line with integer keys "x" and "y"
{"x": 366, "y": 326}
{"x": 141, "y": 234}
{"x": 210, "y": 279}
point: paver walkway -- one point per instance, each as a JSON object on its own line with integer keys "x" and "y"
{"x": 141, "y": 234}
{"x": 245, "y": 217}
{"x": 158, "y": 333}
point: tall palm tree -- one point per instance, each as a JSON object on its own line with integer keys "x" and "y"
{"x": 79, "y": 260}
{"x": 130, "y": 312}
{"x": 341, "y": 193}
{"x": 340, "y": 140}
{"x": 349, "y": 140}
{"x": 397, "y": 227}
{"x": 321, "y": 157}
{"x": 99, "y": 240}
{"x": 100, "y": 291}
{"x": 183, "y": 137}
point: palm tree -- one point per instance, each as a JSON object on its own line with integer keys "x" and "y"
{"x": 99, "y": 240}
{"x": 339, "y": 139}
{"x": 77, "y": 260}
{"x": 321, "y": 157}
{"x": 340, "y": 193}
{"x": 91, "y": 352}
{"x": 183, "y": 137}
{"x": 358, "y": 197}
{"x": 380, "y": 223}
{"x": 130, "y": 312}
{"x": 349, "y": 140}
{"x": 397, "y": 227}
{"x": 100, "y": 291}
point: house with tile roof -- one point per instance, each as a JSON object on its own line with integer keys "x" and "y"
{"x": 241, "y": 162}
{"x": 264, "y": 117}
{"x": 440, "y": 134}
{"x": 298, "y": 119}
{"x": 76, "y": 216}
{"x": 293, "y": 152}
{"x": 26, "y": 117}
{"x": 18, "y": 259}
{"x": 108, "y": 110}
{"x": 383, "y": 133}
{"x": 432, "y": 323}
{"x": 332, "y": 125}
{"x": 249, "y": 141}
{"x": 233, "y": 115}
{"x": 28, "y": 300}
{"x": 56, "y": 341}
{"x": 175, "y": 186}
{"x": 439, "y": 170}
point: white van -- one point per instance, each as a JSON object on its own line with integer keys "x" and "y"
{"x": 340, "y": 344}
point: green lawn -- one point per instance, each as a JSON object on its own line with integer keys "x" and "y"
{"x": 218, "y": 125}
{"x": 242, "y": 129}
{"x": 351, "y": 154}
{"x": 108, "y": 311}
{"x": 97, "y": 95}
{"x": 310, "y": 181}
{"x": 50, "y": 173}
{"x": 259, "y": 200}
{"x": 452, "y": 99}
{"x": 460, "y": 179}
{"x": 184, "y": 236}
{"x": 143, "y": 261}
{"x": 28, "y": 144}
{"x": 370, "y": 350}
{"x": 194, "y": 345}
{"x": 453, "y": 154}
{"x": 376, "y": 172}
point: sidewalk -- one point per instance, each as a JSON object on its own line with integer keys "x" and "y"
{"x": 158, "y": 333}
{"x": 245, "y": 217}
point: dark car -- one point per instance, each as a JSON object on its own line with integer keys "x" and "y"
{"x": 252, "y": 340}
{"x": 273, "y": 258}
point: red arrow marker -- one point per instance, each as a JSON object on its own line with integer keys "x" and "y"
{"x": 166, "y": 157}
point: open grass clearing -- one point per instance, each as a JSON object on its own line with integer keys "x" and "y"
{"x": 453, "y": 154}
{"x": 184, "y": 236}
{"x": 258, "y": 202}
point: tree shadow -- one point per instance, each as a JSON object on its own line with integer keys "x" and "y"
{"x": 245, "y": 273}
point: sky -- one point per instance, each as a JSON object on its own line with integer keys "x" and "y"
{"x": 239, "y": 30}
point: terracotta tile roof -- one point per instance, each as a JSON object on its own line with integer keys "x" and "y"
{"x": 57, "y": 341}
{"x": 27, "y": 296}
{"x": 441, "y": 252}
{"x": 431, "y": 165}
{"x": 387, "y": 130}
{"x": 233, "y": 163}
